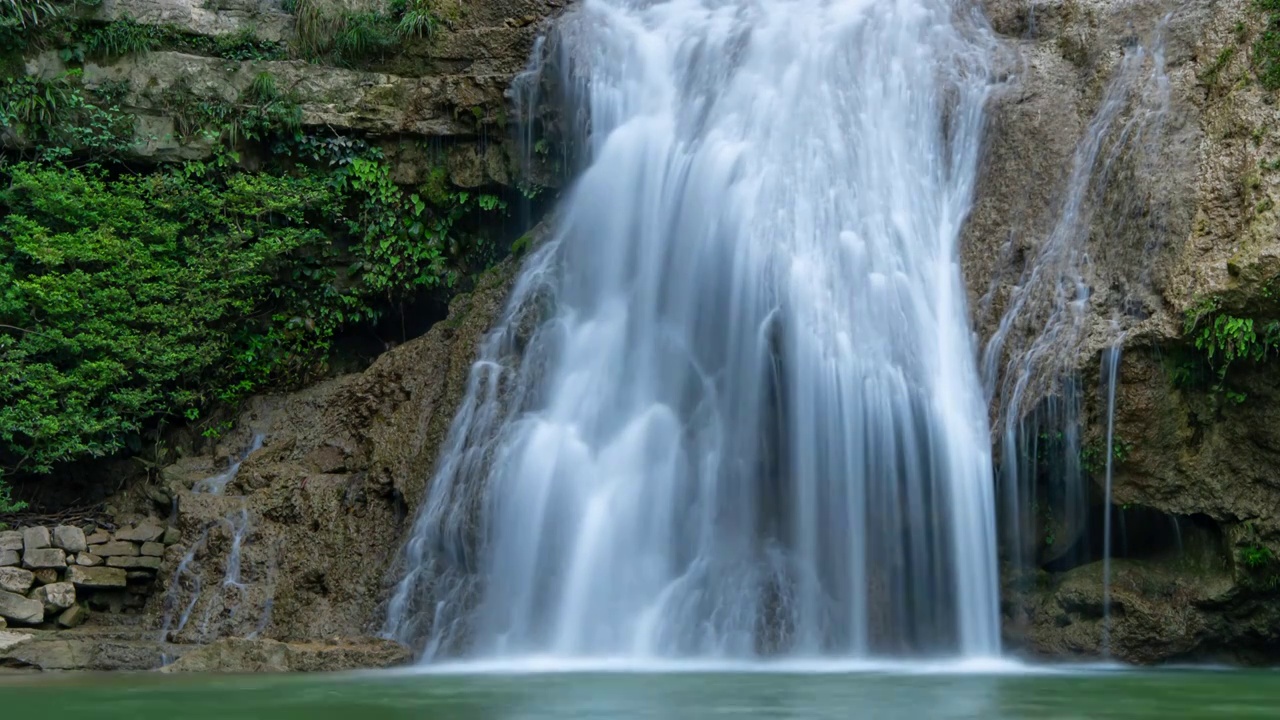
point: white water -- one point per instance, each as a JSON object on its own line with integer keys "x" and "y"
{"x": 750, "y": 420}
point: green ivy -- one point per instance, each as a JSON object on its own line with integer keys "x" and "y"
{"x": 1266, "y": 48}
{"x": 1225, "y": 340}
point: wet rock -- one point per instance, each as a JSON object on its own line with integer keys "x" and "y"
{"x": 115, "y": 548}
{"x": 44, "y": 558}
{"x": 69, "y": 538}
{"x": 88, "y": 559}
{"x": 98, "y": 537}
{"x": 133, "y": 563}
{"x": 10, "y": 540}
{"x": 96, "y": 578}
{"x": 16, "y": 580}
{"x": 19, "y": 609}
{"x": 147, "y": 531}
{"x": 153, "y": 549}
{"x": 55, "y": 597}
{"x": 243, "y": 655}
{"x": 73, "y": 616}
{"x": 35, "y": 538}
{"x": 9, "y": 557}
{"x": 81, "y": 650}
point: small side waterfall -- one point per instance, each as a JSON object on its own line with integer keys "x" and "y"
{"x": 238, "y": 523}
{"x": 1052, "y": 321}
{"x": 733, "y": 407}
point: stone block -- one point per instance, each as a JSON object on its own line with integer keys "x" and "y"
{"x": 147, "y": 531}
{"x": 172, "y": 536}
{"x": 56, "y": 597}
{"x": 10, "y": 540}
{"x": 16, "y": 580}
{"x": 69, "y": 538}
{"x": 73, "y": 616}
{"x": 45, "y": 576}
{"x": 16, "y": 608}
{"x": 44, "y": 558}
{"x": 98, "y": 537}
{"x": 96, "y": 578}
{"x": 153, "y": 549}
{"x": 9, "y": 557}
{"x": 134, "y": 563}
{"x": 88, "y": 559}
{"x": 35, "y": 538}
{"x": 117, "y": 547}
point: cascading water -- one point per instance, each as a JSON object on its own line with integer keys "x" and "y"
{"x": 733, "y": 407}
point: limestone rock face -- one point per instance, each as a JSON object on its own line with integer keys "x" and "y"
{"x": 265, "y": 19}
{"x": 69, "y": 538}
{"x": 18, "y": 609}
{"x": 16, "y": 580}
{"x": 333, "y": 489}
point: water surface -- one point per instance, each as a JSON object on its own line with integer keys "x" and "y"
{"x": 1044, "y": 695}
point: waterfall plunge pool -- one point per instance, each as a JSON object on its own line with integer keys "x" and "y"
{"x": 991, "y": 691}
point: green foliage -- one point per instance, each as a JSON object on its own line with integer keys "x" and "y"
{"x": 7, "y": 503}
{"x": 122, "y": 37}
{"x": 1093, "y": 458}
{"x": 27, "y": 13}
{"x": 1266, "y": 48}
{"x": 1256, "y": 556}
{"x": 60, "y": 118}
{"x": 127, "y": 298}
{"x": 1225, "y": 340}
{"x": 328, "y": 33}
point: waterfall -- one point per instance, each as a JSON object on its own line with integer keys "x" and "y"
{"x": 733, "y": 408}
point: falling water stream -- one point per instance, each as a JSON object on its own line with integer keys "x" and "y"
{"x": 733, "y": 407}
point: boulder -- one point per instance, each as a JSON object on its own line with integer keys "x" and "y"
{"x": 147, "y": 531}
{"x": 44, "y": 558}
{"x": 9, "y": 557}
{"x": 35, "y": 538}
{"x": 10, "y": 540}
{"x": 56, "y": 597}
{"x": 45, "y": 576}
{"x": 19, "y": 609}
{"x": 16, "y": 580}
{"x": 134, "y": 563}
{"x": 116, "y": 547}
{"x": 10, "y": 640}
{"x": 73, "y": 616}
{"x": 69, "y": 538}
{"x": 96, "y": 578}
{"x": 98, "y": 537}
{"x": 153, "y": 549}
{"x": 172, "y": 536}
{"x": 88, "y": 559}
